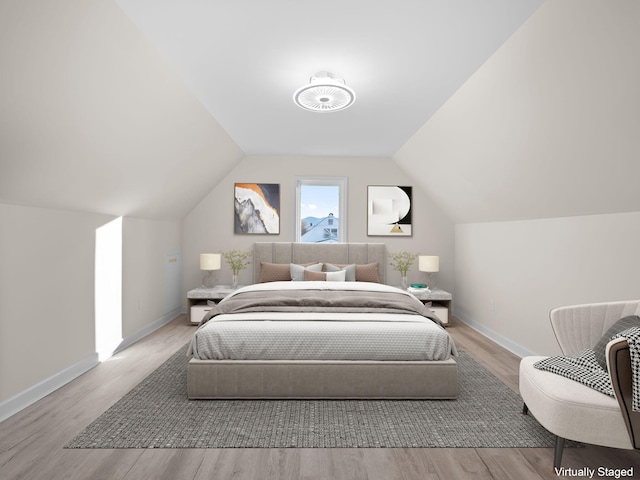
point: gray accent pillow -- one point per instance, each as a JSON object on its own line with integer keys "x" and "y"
{"x": 350, "y": 270}
{"x": 297, "y": 271}
{"x": 620, "y": 326}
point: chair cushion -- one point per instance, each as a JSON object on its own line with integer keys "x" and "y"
{"x": 572, "y": 410}
{"x": 620, "y": 326}
{"x": 582, "y": 368}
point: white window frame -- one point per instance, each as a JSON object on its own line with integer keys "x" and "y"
{"x": 341, "y": 183}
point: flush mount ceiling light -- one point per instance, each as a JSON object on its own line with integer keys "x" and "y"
{"x": 324, "y": 93}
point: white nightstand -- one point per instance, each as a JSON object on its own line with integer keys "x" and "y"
{"x": 440, "y": 302}
{"x": 198, "y": 298}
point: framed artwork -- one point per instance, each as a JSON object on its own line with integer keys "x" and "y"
{"x": 256, "y": 208}
{"x": 389, "y": 211}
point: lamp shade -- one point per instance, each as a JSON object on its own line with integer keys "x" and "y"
{"x": 428, "y": 263}
{"x": 210, "y": 261}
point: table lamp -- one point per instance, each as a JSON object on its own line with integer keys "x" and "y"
{"x": 429, "y": 264}
{"x": 210, "y": 262}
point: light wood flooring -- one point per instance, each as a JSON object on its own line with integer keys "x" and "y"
{"x": 31, "y": 442}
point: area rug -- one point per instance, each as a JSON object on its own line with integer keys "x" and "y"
{"x": 157, "y": 414}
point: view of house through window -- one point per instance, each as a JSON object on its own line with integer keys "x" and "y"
{"x": 320, "y": 209}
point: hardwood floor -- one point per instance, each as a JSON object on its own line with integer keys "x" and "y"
{"x": 31, "y": 442}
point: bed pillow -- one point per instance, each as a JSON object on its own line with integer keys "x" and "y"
{"x": 350, "y": 270}
{"x": 363, "y": 273}
{"x": 367, "y": 273}
{"x": 338, "y": 276}
{"x": 312, "y": 276}
{"x": 277, "y": 272}
{"x": 297, "y": 271}
{"x": 620, "y": 326}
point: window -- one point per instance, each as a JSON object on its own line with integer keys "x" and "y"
{"x": 321, "y": 209}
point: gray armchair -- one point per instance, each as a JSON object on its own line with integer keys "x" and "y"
{"x": 574, "y": 411}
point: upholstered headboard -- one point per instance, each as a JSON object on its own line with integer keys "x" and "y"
{"x": 342, "y": 253}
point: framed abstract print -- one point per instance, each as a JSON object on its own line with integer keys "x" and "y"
{"x": 389, "y": 211}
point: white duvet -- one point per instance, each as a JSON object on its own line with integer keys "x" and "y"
{"x": 321, "y": 336}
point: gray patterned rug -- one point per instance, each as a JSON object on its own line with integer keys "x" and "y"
{"x": 157, "y": 414}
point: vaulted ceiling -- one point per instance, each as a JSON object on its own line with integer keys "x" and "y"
{"x": 500, "y": 109}
{"x": 404, "y": 58}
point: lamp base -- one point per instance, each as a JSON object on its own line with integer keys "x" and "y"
{"x": 208, "y": 281}
{"x": 431, "y": 283}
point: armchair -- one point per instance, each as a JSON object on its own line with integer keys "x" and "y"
{"x": 574, "y": 411}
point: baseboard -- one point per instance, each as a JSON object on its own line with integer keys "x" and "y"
{"x": 501, "y": 340}
{"x": 152, "y": 327}
{"x": 37, "y": 392}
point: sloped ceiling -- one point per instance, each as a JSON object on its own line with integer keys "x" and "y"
{"x": 404, "y": 59}
{"x": 548, "y": 127}
{"x": 142, "y": 113}
{"x": 93, "y": 119}
{"x": 103, "y": 115}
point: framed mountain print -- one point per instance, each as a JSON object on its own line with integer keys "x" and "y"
{"x": 256, "y": 208}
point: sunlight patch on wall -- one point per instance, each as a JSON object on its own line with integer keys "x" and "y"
{"x": 108, "y": 288}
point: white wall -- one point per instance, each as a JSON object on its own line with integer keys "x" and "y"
{"x": 46, "y": 293}
{"x": 509, "y": 275}
{"x": 47, "y": 307}
{"x": 146, "y": 244}
{"x": 209, "y": 226}
{"x": 546, "y": 129}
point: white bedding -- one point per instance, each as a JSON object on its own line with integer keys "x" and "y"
{"x": 321, "y": 336}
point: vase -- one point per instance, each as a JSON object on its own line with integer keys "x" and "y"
{"x": 234, "y": 280}
{"x": 404, "y": 284}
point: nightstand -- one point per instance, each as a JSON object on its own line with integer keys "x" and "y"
{"x": 440, "y": 302}
{"x": 198, "y": 298}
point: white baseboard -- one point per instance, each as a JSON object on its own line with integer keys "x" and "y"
{"x": 152, "y": 327}
{"x": 501, "y": 340}
{"x": 33, "y": 394}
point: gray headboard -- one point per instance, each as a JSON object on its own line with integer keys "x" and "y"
{"x": 342, "y": 253}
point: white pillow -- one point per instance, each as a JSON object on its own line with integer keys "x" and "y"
{"x": 350, "y": 269}
{"x": 297, "y": 271}
{"x": 338, "y": 276}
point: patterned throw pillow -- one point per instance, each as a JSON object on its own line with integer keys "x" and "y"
{"x": 367, "y": 273}
{"x": 277, "y": 272}
{"x": 620, "y": 326}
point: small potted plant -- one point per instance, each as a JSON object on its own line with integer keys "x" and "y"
{"x": 402, "y": 261}
{"x": 237, "y": 260}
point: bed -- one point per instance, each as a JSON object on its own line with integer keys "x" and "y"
{"x": 323, "y": 339}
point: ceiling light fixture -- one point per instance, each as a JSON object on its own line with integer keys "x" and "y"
{"x": 324, "y": 93}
